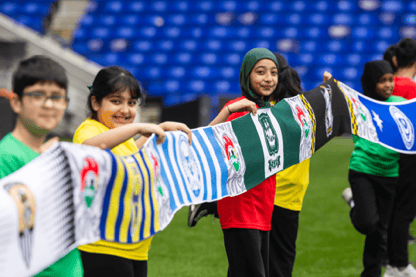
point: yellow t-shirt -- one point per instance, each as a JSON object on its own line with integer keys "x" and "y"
{"x": 138, "y": 251}
{"x": 291, "y": 185}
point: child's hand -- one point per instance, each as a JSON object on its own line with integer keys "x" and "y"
{"x": 48, "y": 144}
{"x": 147, "y": 129}
{"x": 242, "y": 106}
{"x": 177, "y": 126}
{"x": 327, "y": 76}
{"x": 6, "y": 93}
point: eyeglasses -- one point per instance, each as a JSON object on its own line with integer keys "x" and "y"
{"x": 40, "y": 98}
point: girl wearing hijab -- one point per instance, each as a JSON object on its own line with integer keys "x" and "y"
{"x": 402, "y": 57}
{"x": 373, "y": 175}
{"x": 291, "y": 185}
{"x": 245, "y": 219}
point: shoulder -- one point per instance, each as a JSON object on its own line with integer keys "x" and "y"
{"x": 88, "y": 129}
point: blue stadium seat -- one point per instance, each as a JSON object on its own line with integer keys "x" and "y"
{"x": 158, "y": 6}
{"x": 409, "y": 19}
{"x": 196, "y": 86}
{"x": 350, "y": 73}
{"x": 355, "y": 60}
{"x": 35, "y": 8}
{"x": 277, "y": 6}
{"x": 147, "y": 32}
{"x": 329, "y": 60}
{"x": 411, "y": 6}
{"x": 347, "y": 6}
{"x": 363, "y": 33}
{"x": 9, "y": 8}
{"x": 305, "y": 59}
{"x": 229, "y": 72}
{"x": 183, "y": 58}
{"x": 188, "y": 45}
{"x": 201, "y": 6}
{"x": 177, "y": 72}
{"x": 106, "y": 20}
{"x": 316, "y": 19}
{"x": 204, "y": 72}
{"x": 126, "y": 32}
{"x": 137, "y": 59}
{"x": 87, "y": 21}
{"x": 361, "y": 46}
{"x": 310, "y": 46}
{"x": 343, "y": 19}
{"x": 266, "y": 33}
{"x": 271, "y": 19}
{"x": 152, "y": 72}
{"x": 179, "y": 6}
{"x": 137, "y": 6}
{"x": 143, "y": 45}
{"x": 316, "y": 33}
{"x": 367, "y": 19}
{"x": 101, "y": 32}
{"x": 113, "y": 7}
{"x": 388, "y": 33}
{"x": 392, "y": 6}
{"x": 233, "y": 59}
{"x": 131, "y": 20}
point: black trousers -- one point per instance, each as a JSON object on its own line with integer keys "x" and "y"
{"x": 373, "y": 197}
{"x": 285, "y": 224}
{"x": 247, "y": 252}
{"x": 102, "y": 265}
{"x": 404, "y": 211}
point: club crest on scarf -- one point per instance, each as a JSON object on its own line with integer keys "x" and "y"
{"x": 302, "y": 119}
{"x": 231, "y": 152}
{"x": 26, "y": 208}
{"x": 269, "y": 133}
{"x": 190, "y": 166}
{"x": 161, "y": 191}
{"x": 329, "y": 118}
{"x": 405, "y": 126}
{"x": 89, "y": 180}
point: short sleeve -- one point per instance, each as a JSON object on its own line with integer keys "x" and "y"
{"x": 84, "y": 132}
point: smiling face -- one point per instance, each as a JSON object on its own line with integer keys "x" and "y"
{"x": 39, "y": 116}
{"x": 116, "y": 109}
{"x": 385, "y": 85}
{"x": 263, "y": 77}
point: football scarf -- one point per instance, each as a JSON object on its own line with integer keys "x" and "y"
{"x": 76, "y": 194}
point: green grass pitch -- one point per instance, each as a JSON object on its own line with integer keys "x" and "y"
{"x": 327, "y": 245}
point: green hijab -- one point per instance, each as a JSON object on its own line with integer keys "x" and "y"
{"x": 250, "y": 59}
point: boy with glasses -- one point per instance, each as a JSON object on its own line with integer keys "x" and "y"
{"x": 39, "y": 100}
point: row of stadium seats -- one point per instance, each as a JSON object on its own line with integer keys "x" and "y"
{"x": 236, "y": 32}
{"x": 184, "y": 6}
{"x": 94, "y": 46}
{"x": 191, "y": 63}
{"x": 266, "y": 19}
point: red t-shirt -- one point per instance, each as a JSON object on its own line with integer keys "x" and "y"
{"x": 404, "y": 87}
{"x": 254, "y": 208}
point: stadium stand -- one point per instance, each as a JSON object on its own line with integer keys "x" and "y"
{"x": 180, "y": 49}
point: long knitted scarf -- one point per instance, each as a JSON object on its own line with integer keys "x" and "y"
{"x": 75, "y": 194}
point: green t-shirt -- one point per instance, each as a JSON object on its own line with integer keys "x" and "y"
{"x": 372, "y": 158}
{"x": 14, "y": 154}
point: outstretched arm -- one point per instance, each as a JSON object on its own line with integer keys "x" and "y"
{"x": 114, "y": 137}
{"x": 239, "y": 106}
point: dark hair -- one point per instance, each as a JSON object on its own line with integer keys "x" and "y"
{"x": 389, "y": 54}
{"x": 406, "y": 52}
{"x": 38, "y": 69}
{"x": 288, "y": 84}
{"x": 110, "y": 80}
